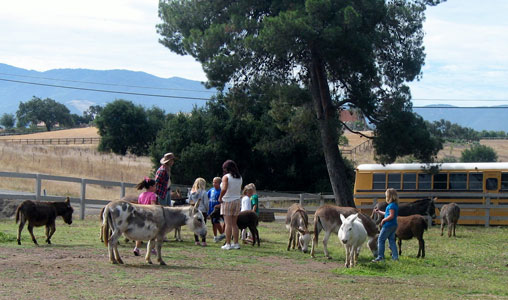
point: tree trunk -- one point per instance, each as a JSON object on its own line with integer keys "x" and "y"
{"x": 328, "y": 126}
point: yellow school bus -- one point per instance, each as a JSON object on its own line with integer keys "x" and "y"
{"x": 480, "y": 189}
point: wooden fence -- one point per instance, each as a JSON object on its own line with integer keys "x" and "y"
{"x": 54, "y": 141}
{"x": 270, "y": 202}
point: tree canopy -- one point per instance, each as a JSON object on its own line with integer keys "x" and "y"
{"x": 267, "y": 129}
{"x": 48, "y": 111}
{"x": 125, "y": 127}
{"x": 7, "y": 120}
{"x": 347, "y": 53}
{"x": 479, "y": 153}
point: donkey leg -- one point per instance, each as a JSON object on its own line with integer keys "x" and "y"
{"x": 50, "y": 230}
{"x": 149, "y": 246}
{"x": 454, "y": 226}
{"x": 20, "y": 228}
{"x": 421, "y": 244}
{"x": 114, "y": 256}
{"x": 325, "y": 244}
{"x": 400, "y": 246}
{"x": 30, "y": 230}
{"x": 442, "y": 226}
{"x": 158, "y": 244}
{"x": 255, "y": 235}
{"x": 314, "y": 240}
{"x": 291, "y": 233}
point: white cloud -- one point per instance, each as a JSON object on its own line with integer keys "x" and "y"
{"x": 94, "y": 34}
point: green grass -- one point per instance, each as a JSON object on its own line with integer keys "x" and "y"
{"x": 472, "y": 265}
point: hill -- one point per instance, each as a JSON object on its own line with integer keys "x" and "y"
{"x": 78, "y": 100}
{"x": 43, "y": 85}
{"x": 492, "y": 118}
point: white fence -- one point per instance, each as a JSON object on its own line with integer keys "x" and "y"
{"x": 274, "y": 202}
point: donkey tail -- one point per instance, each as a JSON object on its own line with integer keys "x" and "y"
{"x": 18, "y": 212}
{"x": 105, "y": 226}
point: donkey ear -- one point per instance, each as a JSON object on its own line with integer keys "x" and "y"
{"x": 67, "y": 201}
{"x": 342, "y": 218}
{"x": 355, "y": 216}
{"x": 196, "y": 205}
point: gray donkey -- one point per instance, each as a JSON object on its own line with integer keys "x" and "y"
{"x": 450, "y": 214}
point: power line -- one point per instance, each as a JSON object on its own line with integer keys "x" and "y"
{"x": 456, "y": 107}
{"x": 104, "y": 91}
{"x": 459, "y": 100}
{"x": 110, "y": 84}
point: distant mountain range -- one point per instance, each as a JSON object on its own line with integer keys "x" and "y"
{"x": 44, "y": 85}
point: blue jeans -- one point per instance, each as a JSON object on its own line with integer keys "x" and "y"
{"x": 387, "y": 233}
{"x": 167, "y": 200}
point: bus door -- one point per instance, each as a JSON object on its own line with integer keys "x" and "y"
{"x": 491, "y": 182}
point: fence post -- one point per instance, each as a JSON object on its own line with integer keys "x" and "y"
{"x": 122, "y": 189}
{"x": 82, "y": 199}
{"x": 38, "y": 187}
{"x": 321, "y": 200}
{"x": 301, "y": 199}
{"x": 487, "y": 211}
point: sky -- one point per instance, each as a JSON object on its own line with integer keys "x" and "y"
{"x": 466, "y": 44}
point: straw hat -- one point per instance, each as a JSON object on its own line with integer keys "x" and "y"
{"x": 167, "y": 157}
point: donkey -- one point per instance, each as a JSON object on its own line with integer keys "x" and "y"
{"x": 327, "y": 218}
{"x": 352, "y": 235}
{"x": 146, "y": 223}
{"x": 409, "y": 227}
{"x": 419, "y": 207}
{"x": 246, "y": 219}
{"x": 42, "y": 214}
{"x": 450, "y": 214}
{"x": 297, "y": 220}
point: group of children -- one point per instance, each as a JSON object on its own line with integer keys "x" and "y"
{"x": 209, "y": 199}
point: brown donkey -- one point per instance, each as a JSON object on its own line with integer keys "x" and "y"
{"x": 42, "y": 214}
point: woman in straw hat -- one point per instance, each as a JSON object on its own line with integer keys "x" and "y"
{"x": 163, "y": 179}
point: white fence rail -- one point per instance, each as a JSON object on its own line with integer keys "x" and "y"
{"x": 268, "y": 200}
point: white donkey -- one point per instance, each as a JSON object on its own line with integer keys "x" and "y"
{"x": 352, "y": 235}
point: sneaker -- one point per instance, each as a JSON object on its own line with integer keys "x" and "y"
{"x": 197, "y": 244}
{"x": 235, "y": 246}
{"x": 226, "y": 247}
{"x": 216, "y": 239}
{"x": 378, "y": 259}
{"x": 203, "y": 244}
{"x": 395, "y": 259}
{"x": 222, "y": 236}
{"x": 135, "y": 251}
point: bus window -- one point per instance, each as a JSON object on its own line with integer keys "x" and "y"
{"x": 394, "y": 180}
{"x": 504, "y": 181}
{"x": 409, "y": 181}
{"x": 491, "y": 184}
{"x": 476, "y": 181}
{"x": 424, "y": 181}
{"x": 379, "y": 181}
{"x": 458, "y": 181}
{"x": 440, "y": 181}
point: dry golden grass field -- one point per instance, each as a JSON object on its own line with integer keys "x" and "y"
{"x": 84, "y": 161}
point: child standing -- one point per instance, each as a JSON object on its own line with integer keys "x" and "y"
{"x": 388, "y": 225}
{"x": 254, "y": 201}
{"x": 247, "y": 192}
{"x": 213, "y": 197}
{"x": 198, "y": 191}
{"x": 148, "y": 197}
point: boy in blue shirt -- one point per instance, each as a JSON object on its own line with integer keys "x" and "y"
{"x": 213, "y": 196}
